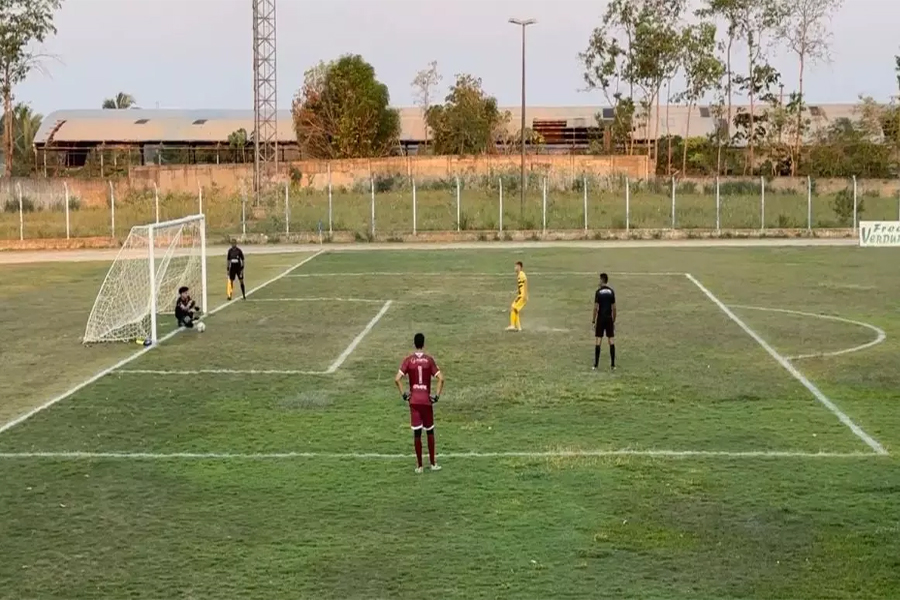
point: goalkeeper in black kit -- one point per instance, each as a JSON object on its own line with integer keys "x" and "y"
{"x": 235, "y": 267}
{"x": 186, "y": 310}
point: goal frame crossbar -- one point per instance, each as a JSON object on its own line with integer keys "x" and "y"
{"x": 151, "y": 229}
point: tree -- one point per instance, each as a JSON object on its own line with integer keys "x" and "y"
{"x": 805, "y": 32}
{"x": 25, "y": 125}
{"x": 731, "y": 12}
{"x": 120, "y": 101}
{"x": 657, "y": 54}
{"x": 23, "y": 23}
{"x": 703, "y": 72}
{"x": 237, "y": 141}
{"x": 635, "y": 45}
{"x": 758, "y": 18}
{"x": 423, "y": 85}
{"x": 609, "y": 64}
{"x": 468, "y": 122}
{"x": 342, "y": 111}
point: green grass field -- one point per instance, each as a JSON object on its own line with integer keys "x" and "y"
{"x": 701, "y": 468}
{"x": 650, "y": 208}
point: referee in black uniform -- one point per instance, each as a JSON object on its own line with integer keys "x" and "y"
{"x": 604, "y": 320}
{"x": 235, "y": 266}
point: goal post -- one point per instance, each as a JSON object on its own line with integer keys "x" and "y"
{"x": 143, "y": 281}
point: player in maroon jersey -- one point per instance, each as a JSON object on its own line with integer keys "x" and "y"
{"x": 420, "y": 368}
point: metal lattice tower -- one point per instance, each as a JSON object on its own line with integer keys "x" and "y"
{"x": 265, "y": 111}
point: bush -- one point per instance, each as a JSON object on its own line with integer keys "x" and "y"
{"x": 28, "y": 205}
{"x": 842, "y": 205}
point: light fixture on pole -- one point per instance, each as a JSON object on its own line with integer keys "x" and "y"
{"x": 523, "y": 23}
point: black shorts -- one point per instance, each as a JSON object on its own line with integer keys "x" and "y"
{"x": 605, "y": 328}
{"x": 235, "y": 270}
{"x": 185, "y": 318}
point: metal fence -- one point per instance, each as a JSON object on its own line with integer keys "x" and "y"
{"x": 392, "y": 206}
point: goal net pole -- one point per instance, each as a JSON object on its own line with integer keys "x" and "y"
{"x": 151, "y": 263}
{"x": 143, "y": 281}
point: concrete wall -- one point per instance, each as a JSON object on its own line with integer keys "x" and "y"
{"x": 346, "y": 172}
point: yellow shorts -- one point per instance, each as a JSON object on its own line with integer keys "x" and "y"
{"x": 518, "y": 304}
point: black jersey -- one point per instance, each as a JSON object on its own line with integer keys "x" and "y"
{"x": 235, "y": 256}
{"x": 605, "y": 299}
{"x": 184, "y": 305}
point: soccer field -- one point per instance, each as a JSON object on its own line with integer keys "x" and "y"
{"x": 744, "y": 448}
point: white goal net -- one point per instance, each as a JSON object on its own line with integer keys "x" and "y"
{"x": 144, "y": 279}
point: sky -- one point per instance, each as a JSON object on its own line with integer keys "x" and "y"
{"x": 196, "y": 54}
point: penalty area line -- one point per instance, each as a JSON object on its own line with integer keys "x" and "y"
{"x": 359, "y": 338}
{"x": 787, "y": 366}
{"x": 574, "y": 454}
{"x": 450, "y": 274}
{"x": 219, "y": 372}
{"x": 128, "y": 359}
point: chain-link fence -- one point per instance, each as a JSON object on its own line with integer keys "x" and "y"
{"x": 387, "y": 206}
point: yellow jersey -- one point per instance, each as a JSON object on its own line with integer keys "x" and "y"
{"x": 521, "y": 286}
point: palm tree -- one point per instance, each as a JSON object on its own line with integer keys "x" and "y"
{"x": 25, "y": 126}
{"x": 122, "y": 100}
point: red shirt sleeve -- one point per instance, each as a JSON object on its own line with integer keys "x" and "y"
{"x": 404, "y": 366}
{"x": 434, "y": 368}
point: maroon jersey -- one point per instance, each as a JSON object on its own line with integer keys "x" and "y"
{"x": 419, "y": 368}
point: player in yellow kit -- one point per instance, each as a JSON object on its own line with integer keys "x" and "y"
{"x": 515, "y": 324}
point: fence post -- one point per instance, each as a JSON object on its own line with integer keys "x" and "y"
{"x": 287, "y": 210}
{"x": 544, "y": 206}
{"x": 673, "y": 203}
{"x": 112, "y": 209}
{"x": 627, "y": 205}
{"x": 855, "y": 204}
{"x": 373, "y": 207}
{"x": 500, "y": 229}
{"x": 156, "y": 199}
{"x": 21, "y": 212}
{"x": 200, "y": 197}
{"x": 66, "y": 188}
{"x": 808, "y": 203}
{"x": 718, "y": 207}
{"x": 415, "y": 208}
{"x": 330, "y": 213}
{"x": 762, "y": 203}
{"x": 584, "y": 190}
{"x": 458, "y": 224}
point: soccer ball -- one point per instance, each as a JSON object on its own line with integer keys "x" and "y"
{"x": 201, "y": 327}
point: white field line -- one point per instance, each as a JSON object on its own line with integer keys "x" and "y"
{"x": 449, "y": 274}
{"x": 785, "y": 363}
{"x": 330, "y": 371}
{"x": 349, "y": 350}
{"x": 676, "y": 454}
{"x": 880, "y": 335}
{"x": 220, "y": 372}
{"x": 363, "y": 300}
{"x": 128, "y": 359}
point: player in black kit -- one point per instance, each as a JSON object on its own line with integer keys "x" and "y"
{"x": 235, "y": 266}
{"x": 605, "y": 320}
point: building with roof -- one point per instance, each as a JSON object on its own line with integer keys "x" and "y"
{"x": 67, "y": 138}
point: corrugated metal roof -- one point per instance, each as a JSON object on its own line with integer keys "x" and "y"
{"x": 177, "y": 126}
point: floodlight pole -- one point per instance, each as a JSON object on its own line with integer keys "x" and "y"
{"x": 523, "y": 23}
